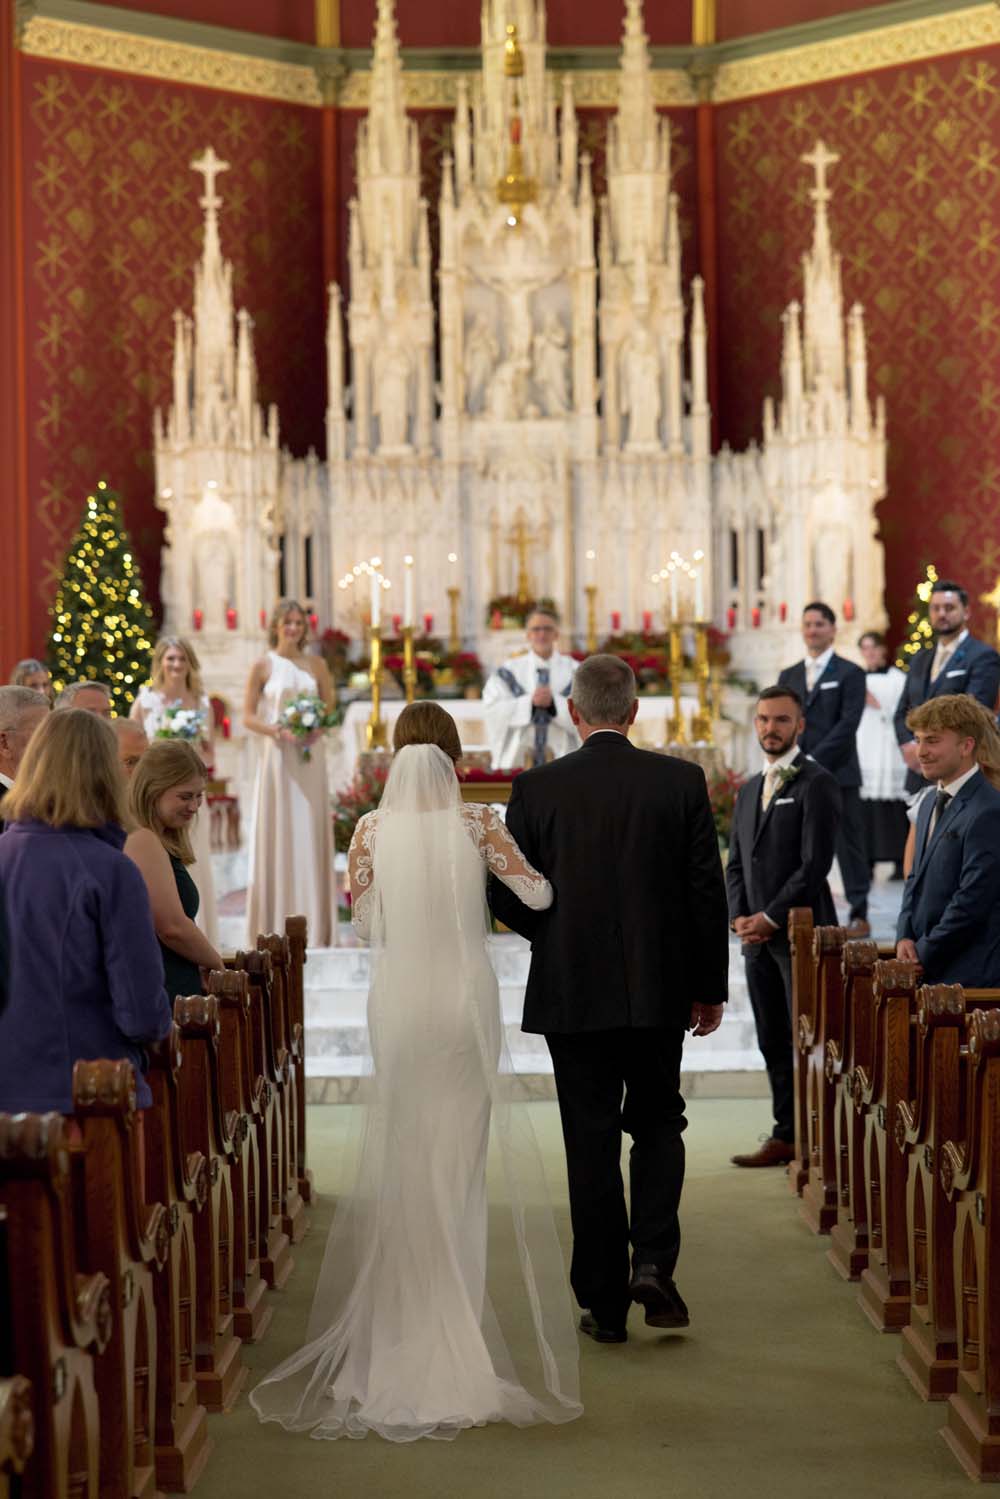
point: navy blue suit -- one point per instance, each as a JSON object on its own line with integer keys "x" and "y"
{"x": 951, "y": 903}
{"x": 974, "y": 668}
{"x": 833, "y": 712}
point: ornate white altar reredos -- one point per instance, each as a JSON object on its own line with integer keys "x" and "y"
{"x": 561, "y": 427}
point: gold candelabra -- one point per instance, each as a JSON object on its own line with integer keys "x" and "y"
{"x": 409, "y": 664}
{"x": 375, "y": 735}
{"x": 454, "y": 641}
{"x": 701, "y": 724}
{"x": 675, "y": 726}
{"x": 590, "y": 589}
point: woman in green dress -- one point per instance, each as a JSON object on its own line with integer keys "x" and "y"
{"x": 165, "y": 793}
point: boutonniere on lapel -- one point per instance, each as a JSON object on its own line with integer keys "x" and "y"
{"x": 787, "y": 774}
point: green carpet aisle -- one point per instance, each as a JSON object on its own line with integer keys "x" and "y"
{"x": 779, "y": 1387}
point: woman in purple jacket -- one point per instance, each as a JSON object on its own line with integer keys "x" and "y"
{"x": 85, "y": 975}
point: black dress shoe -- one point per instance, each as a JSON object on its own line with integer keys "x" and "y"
{"x": 659, "y": 1297}
{"x": 590, "y": 1325}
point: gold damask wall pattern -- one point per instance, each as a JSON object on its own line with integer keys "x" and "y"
{"x": 916, "y": 213}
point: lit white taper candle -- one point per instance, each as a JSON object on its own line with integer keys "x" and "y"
{"x": 409, "y": 615}
{"x": 376, "y": 599}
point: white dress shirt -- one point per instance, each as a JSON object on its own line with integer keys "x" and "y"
{"x": 816, "y": 666}
{"x": 943, "y": 652}
{"x": 6, "y": 781}
{"x": 950, "y": 788}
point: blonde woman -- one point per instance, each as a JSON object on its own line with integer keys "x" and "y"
{"x": 85, "y": 977}
{"x": 33, "y": 674}
{"x": 291, "y": 834}
{"x": 175, "y": 678}
{"x": 164, "y": 796}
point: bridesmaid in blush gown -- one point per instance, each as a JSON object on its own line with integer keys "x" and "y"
{"x": 291, "y": 830}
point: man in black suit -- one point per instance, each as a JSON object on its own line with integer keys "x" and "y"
{"x": 633, "y": 952}
{"x": 21, "y": 711}
{"x": 958, "y": 663}
{"x": 780, "y": 852}
{"x": 832, "y": 692}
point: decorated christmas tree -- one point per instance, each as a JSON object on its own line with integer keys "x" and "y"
{"x": 918, "y": 620}
{"x": 102, "y": 626}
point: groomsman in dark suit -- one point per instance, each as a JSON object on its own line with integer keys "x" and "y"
{"x": 950, "y": 917}
{"x": 832, "y": 691}
{"x": 780, "y": 852}
{"x": 958, "y": 663}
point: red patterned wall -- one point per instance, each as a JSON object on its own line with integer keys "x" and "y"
{"x": 747, "y": 17}
{"x": 292, "y": 19}
{"x": 916, "y": 215}
{"x": 112, "y": 229}
{"x": 571, "y": 23}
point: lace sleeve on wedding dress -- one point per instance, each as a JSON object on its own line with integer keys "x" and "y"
{"x": 505, "y": 859}
{"x": 359, "y": 869}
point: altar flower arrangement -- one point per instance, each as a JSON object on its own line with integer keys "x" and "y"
{"x": 181, "y": 723}
{"x": 351, "y": 803}
{"x": 304, "y": 716}
{"x": 508, "y": 612}
{"x": 722, "y": 794}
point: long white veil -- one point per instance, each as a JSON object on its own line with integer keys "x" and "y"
{"x": 404, "y": 1337}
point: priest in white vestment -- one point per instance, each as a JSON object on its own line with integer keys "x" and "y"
{"x": 883, "y": 770}
{"x": 526, "y": 701}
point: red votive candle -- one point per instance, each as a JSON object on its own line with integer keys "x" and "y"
{"x": 263, "y": 619}
{"x": 397, "y": 623}
{"x": 230, "y": 618}
{"x": 428, "y": 623}
{"x": 313, "y": 621}
{"x": 730, "y": 618}
{"x": 616, "y": 621}
{"x": 227, "y": 728}
{"x": 782, "y": 612}
{"x": 647, "y": 621}
{"x": 848, "y": 610}
{"x": 496, "y": 620}
{"x": 755, "y": 618}
{"x": 198, "y": 619}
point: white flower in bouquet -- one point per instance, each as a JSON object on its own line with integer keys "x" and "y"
{"x": 305, "y": 717}
{"x": 181, "y": 723}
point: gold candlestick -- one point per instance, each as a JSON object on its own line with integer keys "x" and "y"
{"x": 701, "y": 724}
{"x": 675, "y": 726}
{"x": 590, "y": 589}
{"x": 454, "y": 642}
{"x": 375, "y": 735}
{"x": 409, "y": 664}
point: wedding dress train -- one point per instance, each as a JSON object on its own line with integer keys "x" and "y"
{"x": 404, "y": 1338}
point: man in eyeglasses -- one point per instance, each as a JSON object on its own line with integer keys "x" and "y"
{"x": 527, "y": 700}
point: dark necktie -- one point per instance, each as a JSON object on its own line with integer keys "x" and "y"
{"x": 540, "y": 717}
{"x": 940, "y": 807}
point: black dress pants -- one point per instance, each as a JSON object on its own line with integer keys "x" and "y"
{"x": 852, "y": 851}
{"x": 769, "y": 980}
{"x": 610, "y": 1081}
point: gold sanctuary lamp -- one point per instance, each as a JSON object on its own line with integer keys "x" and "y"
{"x": 409, "y": 665}
{"x": 702, "y": 722}
{"x": 375, "y": 733}
{"x": 590, "y": 589}
{"x": 675, "y": 724}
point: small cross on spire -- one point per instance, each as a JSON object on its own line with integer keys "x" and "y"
{"x": 819, "y": 158}
{"x": 210, "y": 166}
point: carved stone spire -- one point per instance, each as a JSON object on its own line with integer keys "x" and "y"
{"x": 213, "y": 306}
{"x": 638, "y": 157}
{"x": 823, "y": 345}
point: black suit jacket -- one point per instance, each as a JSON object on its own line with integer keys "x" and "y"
{"x": 638, "y": 929}
{"x": 781, "y": 858}
{"x": 974, "y": 668}
{"x": 832, "y": 712}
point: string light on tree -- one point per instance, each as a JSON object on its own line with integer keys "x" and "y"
{"x": 918, "y": 620}
{"x": 102, "y": 626}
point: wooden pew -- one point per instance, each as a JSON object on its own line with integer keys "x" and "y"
{"x": 296, "y": 932}
{"x": 275, "y": 1253}
{"x": 294, "y": 1218}
{"x": 970, "y": 1176}
{"x": 59, "y": 1316}
{"x": 938, "y": 1112}
{"x": 219, "y": 1368}
{"x": 242, "y": 1096}
{"x": 127, "y": 1240}
{"x": 884, "y": 1294}
{"x": 177, "y": 1177}
{"x": 848, "y": 1252}
{"x": 17, "y": 1431}
{"x": 800, "y": 940}
{"x": 819, "y": 1195}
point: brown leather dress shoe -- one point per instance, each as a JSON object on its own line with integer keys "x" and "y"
{"x": 859, "y": 927}
{"x": 772, "y": 1152}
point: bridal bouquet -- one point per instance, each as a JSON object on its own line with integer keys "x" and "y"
{"x": 181, "y": 723}
{"x": 306, "y": 716}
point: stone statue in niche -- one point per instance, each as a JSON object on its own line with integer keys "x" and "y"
{"x": 391, "y": 376}
{"x": 832, "y": 553}
{"x": 640, "y": 387}
{"x": 551, "y": 366}
{"x": 508, "y": 390}
{"x": 481, "y": 353}
{"x": 214, "y": 581}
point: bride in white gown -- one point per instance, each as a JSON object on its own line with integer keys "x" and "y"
{"x": 404, "y": 1338}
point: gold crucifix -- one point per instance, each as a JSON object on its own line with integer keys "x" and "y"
{"x": 994, "y": 600}
{"x": 518, "y": 538}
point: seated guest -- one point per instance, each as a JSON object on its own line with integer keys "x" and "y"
{"x": 883, "y": 769}
{"x": 33, "y": 674}
{"x": 165, "y": 793}
{"x": 957, "y": 662}
{"x": 832, "y": 692}
{"x": 85, "y": 976}
{"x": 132, "y": 743}
{"x": 950, "y": 917}
{"x": 92, "y": 697}
{"x": 780, "y": 853}
{"x": 21, "y": 711}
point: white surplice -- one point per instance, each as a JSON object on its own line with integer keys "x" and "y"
{"x": 509, "y": 730}
{"x": 883, "y": 769}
